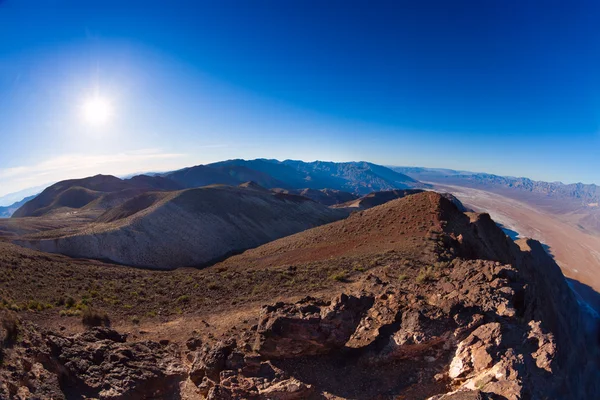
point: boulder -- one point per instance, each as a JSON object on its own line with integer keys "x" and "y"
{"x": 309, "y": 327}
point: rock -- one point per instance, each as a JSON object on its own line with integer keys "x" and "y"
{"x": 193, "y": 343}
{"x": 310, "y": 326}
{"x": 417, "y": 333}
{"x": 475, "y": 353}
{"x": 210, "y": 361}
{"x": 99, "y": 363}
{"x": 290, "y": 389}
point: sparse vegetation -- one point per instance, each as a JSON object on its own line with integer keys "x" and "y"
{"x": 339, "y": 276}
{"x": 91, "y": 317}
{"x": 426, "y": 274}
{"x": 183, "y": 299}
{"x": 10, "y": 324}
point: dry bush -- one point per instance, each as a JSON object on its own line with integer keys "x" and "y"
{"x": 10, "y": 323}
{"x": 91, "y": 317}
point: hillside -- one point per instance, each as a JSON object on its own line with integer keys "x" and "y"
{"x": 78, "y": 193}
{"x": 186, "y": 228}
{"x": 328, "y": 197}
{"x": 412, "y": 299}
{"x": 8, "y": 211}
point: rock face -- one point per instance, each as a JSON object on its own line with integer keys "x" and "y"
{"x": 309, "y": 327}
{"x": 96, "y": 364}
{"x": 187, "y": 228}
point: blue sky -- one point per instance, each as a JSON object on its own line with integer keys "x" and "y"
{"x": 506, "y": 87}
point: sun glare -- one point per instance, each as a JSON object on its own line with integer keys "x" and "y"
{"x": 97, "y": 111}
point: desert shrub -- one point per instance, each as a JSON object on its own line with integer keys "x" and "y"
{"x": 183, "y": 299}
{"x": 69, "y": 313}
{"x": 213, "y": 286}
{"x": 10, "y": 324}
{"x": 35, "y": 305}
{"x": 69, "y": 302}
{"x": 339, "y": 276}
{"x": 91, "y": 317}
{"x": 135, "y": 320}
{"x": 426, "y": 274}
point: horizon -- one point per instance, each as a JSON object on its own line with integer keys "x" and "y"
{"x": 121, "y": 87}
{"x": 8, "y": 198}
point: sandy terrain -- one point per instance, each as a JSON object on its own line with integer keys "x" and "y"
{"x": 577, "y": 252}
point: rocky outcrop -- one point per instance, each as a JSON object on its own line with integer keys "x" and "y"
{"x": 98, "y": 363}
{"x": 309, "y": 327}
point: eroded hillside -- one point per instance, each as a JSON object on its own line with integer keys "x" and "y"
{"x": 186, "y": 228}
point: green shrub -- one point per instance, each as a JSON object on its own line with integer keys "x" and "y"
{"x": 183, "y": 299}
{"x": 339, "y": 276}
{"x": 426, "y": 274}
{"x": 69, "y": 302}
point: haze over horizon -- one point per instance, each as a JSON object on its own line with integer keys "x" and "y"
{"x": 101, "y": 87}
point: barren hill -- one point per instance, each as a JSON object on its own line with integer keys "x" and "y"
{"x": 78, "y": 193}
{"x": 186, "y": 228}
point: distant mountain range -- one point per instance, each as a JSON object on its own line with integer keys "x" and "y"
{"x": 583, "y": 193}
{"x": 354, "y": 177}
{"x": 325, "y": 182}
{"x": 8, "y": 211}
{"x": 581, "y": 202}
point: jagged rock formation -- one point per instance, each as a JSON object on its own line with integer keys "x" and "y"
{"x": 186, "y": 228}
{"x": 457, "y": 311}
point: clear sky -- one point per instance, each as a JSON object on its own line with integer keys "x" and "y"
{"x": 507, "y": 87}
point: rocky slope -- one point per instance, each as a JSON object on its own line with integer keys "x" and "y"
{"x": 428, "y": 302}
{"x": 186, "y": 228}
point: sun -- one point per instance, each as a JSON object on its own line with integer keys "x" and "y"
{"x": 97, "y": 110}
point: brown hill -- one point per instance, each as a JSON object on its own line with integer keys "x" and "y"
{"x": 78, "y": 193}
{"x": 185, "y": 228}
{"x": 403, "y": 224}
{"x": 328, "y": 197}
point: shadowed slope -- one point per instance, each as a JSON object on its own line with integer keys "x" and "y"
{"x": 185, "y": 228}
